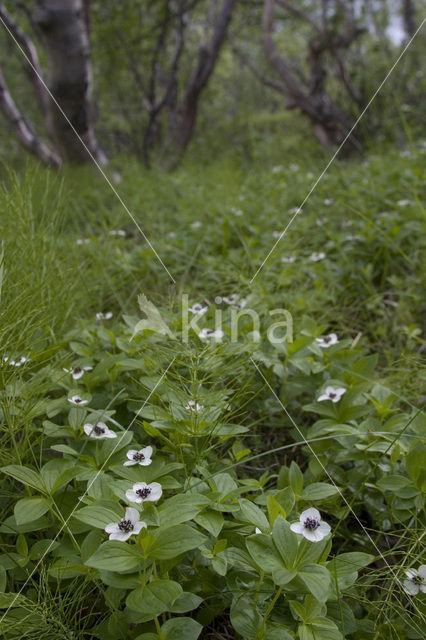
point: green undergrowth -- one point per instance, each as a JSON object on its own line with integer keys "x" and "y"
{"x": 244, "y": 434}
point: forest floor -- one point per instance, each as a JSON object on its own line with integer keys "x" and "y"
{"x": 349, "y": 262}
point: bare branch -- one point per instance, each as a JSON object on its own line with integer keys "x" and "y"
{"x": 23, "y": 130}
{"x": 261, "y": 77}
{"x": 30, "y": 51}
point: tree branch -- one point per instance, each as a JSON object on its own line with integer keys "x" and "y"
{"x": 34, "y": 68}
{"x": 22, "y": 129}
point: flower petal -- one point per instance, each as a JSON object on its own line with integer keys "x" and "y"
{"x": 131, "y": 453}
{"x": 323, "y": 397}
{"x": 132, "y": 515}
{"x": 120, "y": 535}
{"x": 297, "y": 527}
{"x": 422, "y": 571}
{"x": 129, "y": 463}
{"x": 310, "y": 513}
{"x": 156, "y": 491}
{"x": 324, "y": 529}
{"x": 147, "y": 452}
{"x": 88, "y": 428}
{"x": 139, "y": 526}
{"x": 410, "y": 587}
{"x": 112, "y": 528}
{"x": 312, "y": 536}
{"x": 132, "y": 496}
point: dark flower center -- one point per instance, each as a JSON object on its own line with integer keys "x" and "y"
{"x": 332, "y": 394}
{"x": 78, "y": 370}
{"x": 311, "y": 524}
{"x": 327, "y": 339}
{"x": 77, "y": 400}
{"x": 417, "y": 579}
{"x": 98, "y": 430}
{"x": 138, "y": 456}
{"x": 126, "y": 526}
{"x": 143, "y": 493}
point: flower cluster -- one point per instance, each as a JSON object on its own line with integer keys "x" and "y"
{"x": 140, "y": 492}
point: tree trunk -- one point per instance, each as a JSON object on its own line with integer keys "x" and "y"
{"x": 23, "y": 129}
{"x": 207, "y": 58}
{"x": 64, "y": 28}
{"x": 409, "y": 16}
{"x": 330, "y": 124}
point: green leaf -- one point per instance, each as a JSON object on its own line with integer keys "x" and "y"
{"x": 393, "y": 483}
{"x": 295, "y": 478}
{"x": 262, "y": 550}
{"x": 180, "y": 508}
{"x": 25, "y": 475}
{"x": 181, "y": 628}
{"x": 316, "y": 579}
{"x": 212, "y": 521}
{"x": 253, "y": 514}
{"x": 115, "y": 556}
{"x": 29, "y": 509}
{"x": 319, "y": 629}
{"x": 98, "y": 515}
{"x": 11, "y": 600}
{"x": 186, "y": 602}
{"x": 319, "y": 491}
{"x": 274, "y": 508}
{"x": 285, "y": 541}
{"x": 283, "y": 576}
{"x": 173, "y": 541}
{"x": 415, "y": 464}
{"x": 154, "y": 598}
{"x": 245, "y": 618}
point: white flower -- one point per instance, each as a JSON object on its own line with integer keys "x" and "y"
{"x": 143, "y": 492}
{"x": 130, "y": 525}
{"x": 294, "y": 167}
{"x": 257, "y": 531}
{"x": 236, "y": 211}
{"x": 81, "y": 241}
{"x": 314, "y": 257}
{"x": 99, "y": 431}
{"x": 416, "y": 580}
{"x": 15, "y": 363}
{"x": 277, "y": 169}
{"x": 77, "y": 400}
{"x": 403, "y": 203}
{"x": 347, "y": 223}
{"x": 328, "y": 202}
{"x": 288, "y": 259}
{"x": 241, "y": 304}
{"x": 117, "y": 232}
{"x": 198, "y": 308}
{"x": 321, "y": 221}
{"x": 232, "y": 299}
{"x": 141, "y": 456}
{"x": 209, "y": 333}
{"x": 77, "y": 372}
{"x": 104, "y": 316}
{"x": 333, "y": 394}
{"x": 311, "y": 526}
{"x": 295, "y": 210}
{"x": 196, "y": 225}
{"x": 276, "y": 234}
{"x": 194, "y": 406}
{"x": 327, "y": 341}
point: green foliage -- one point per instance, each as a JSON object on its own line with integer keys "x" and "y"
{"x": 236, "y": 473}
